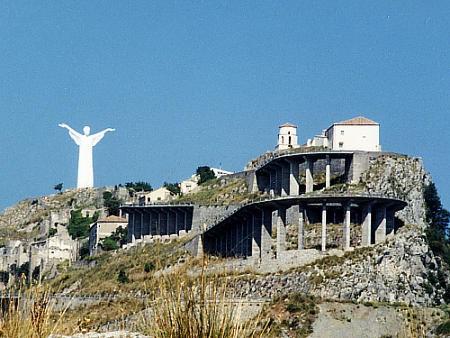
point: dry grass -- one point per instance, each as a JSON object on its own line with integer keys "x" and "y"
{"x": 28, "y": 313}
{"x": 103, "y": 276}
{"x": 197, "y": 308}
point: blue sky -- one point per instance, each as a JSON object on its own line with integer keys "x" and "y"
{"x": 208, "y": 82}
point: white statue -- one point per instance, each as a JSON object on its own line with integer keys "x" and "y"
{"x": 85, "y": 142}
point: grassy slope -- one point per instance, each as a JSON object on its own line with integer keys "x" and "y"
{"x": 217, "y": 191}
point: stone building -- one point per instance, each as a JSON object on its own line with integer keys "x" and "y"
{"x": 159, "y": 195}
{"x": 287, "y": 136}
{"x": 358, "y": 133}
{"x": 103, "y": 228}
{"x": 53, "y": 250}
{"x": 189, "y": 184}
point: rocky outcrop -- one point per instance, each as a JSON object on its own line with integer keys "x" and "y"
{"x": 35, "y": 210}
{"x": 400, "y": 177}
{"x": 401, "y": 270}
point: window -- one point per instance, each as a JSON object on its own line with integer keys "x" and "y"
{"x": 342, "y": 132}
{"x": 290, "y": 140}
{"x": 282, "y": 139}
{"x": 341, "y": 144}
{"x": 289, "y": 133}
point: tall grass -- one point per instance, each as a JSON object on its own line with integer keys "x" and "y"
{"x": 27, "y": 313}
{"x": 197, "y": 308}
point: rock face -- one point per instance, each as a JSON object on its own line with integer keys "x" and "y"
{"x": 401, "y": 270}
{"x": 401, "y": 177}
{"x": 35, "y": 210}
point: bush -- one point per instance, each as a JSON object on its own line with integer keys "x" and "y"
{"x": 52, "y": 232}
{"x": 78, "y": 225}
{"x": 109, "y": 244}
{"x": 149, "y": 266}
{"x": 111, "y": 203}
{"x": 123, "y": 277}
{"x": 174, "y": 188}
{"x": 444, "y": 328}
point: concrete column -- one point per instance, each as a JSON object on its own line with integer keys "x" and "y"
{"x": 347, "y": 227}
{"x": 301, "y": 229}
{"x": 390, "y": 222}
{"x": 253, "y": 186}
{"x": 256, "y": 237}
{"x": 324, "y": 227}
{"x": 278, "y": 180}
{"x": 158, "y": 225}
{"x": 285, "y": 181}
{"x": 150, "y": 220}
{"x": 380, "y": 232}
{"x": 367, "y": 226}
{"x": 328, "y": 173}
{"x": 132, "y": 235}
{"x": 294, "y": 187}
{"x": 266, "y": 231}
{"x": 309, "y": 175}
{"x": 200, "y": 247}
{"x": 348, "y": 167}
{"x": 281, "y": 230}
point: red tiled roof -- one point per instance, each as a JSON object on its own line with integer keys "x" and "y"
{"x": 288, "y": 125}
{"x": 112, "y": 219}
{"x": 358, "y": 121}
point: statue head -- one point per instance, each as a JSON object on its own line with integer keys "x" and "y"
{"x": 86, "y": 130}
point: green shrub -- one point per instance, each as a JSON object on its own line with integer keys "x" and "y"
{"x": 123, "y": 277}
{"x": 149, "y": 266}
{"x": 444, "y": 328}
{"x": 109, "y": 244}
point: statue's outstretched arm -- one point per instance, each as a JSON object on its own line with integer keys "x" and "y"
{"x": 97, "y": 137}
{"x": 73, "y": 134}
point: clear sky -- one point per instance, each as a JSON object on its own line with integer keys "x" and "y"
{"x": 208, "y": 82}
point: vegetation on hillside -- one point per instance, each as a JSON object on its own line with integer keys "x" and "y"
{"x": 78, "y": 225}
{"x": 205, "y": 174}
{"x": 139, "y": 186}
{"x": 220, "y": 192}
{"x": 115, "y": 240}
{"x": 438, "y": 219}
{"x": 174, "y": 188}
{"x": 103, "y": 277}
{"x": 111, "y": 203}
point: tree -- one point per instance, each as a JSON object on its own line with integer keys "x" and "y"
{"x": 205, "y": 174}
{"x": 111, "y": 203}
{"x": 436, "y": 215}
{"x": 115, "y": 240}
{"x": 174, "y": 188}
{"x": 109, "y": 244}
{"x": 438, "y": 219}
{"x": 139, "y": 186}
{"x": 58, "y": 187}
{"x": 78, "y": 225}
{"x": 123, "y": 277}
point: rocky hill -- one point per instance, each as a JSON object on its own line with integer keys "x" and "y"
{"x": 400, "y": 284}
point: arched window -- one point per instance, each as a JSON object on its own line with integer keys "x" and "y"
{"x": 282, "y": 139}
{"x": 289, "y": 139}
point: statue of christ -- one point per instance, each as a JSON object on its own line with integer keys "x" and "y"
{"x": 85, "y": 143}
